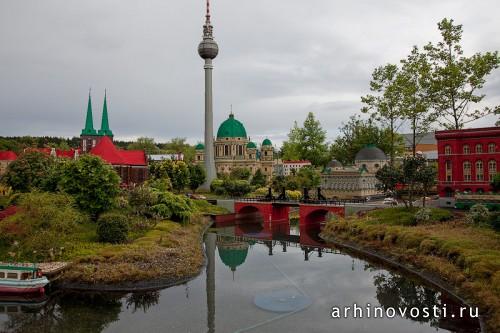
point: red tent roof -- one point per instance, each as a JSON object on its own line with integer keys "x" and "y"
{"x": 106, "y": 150}
{"x": 8, "y": 155}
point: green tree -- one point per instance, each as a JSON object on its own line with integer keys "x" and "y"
{"x": 414, "y": 83}
{"x": 357, "y": 133}
{"x": 312, "y": 140}
{"x": 146, "y": 144}
{"x": 388, "y": 177}
{"x": 176, "y": 171}
{"x": 308, "y": 177}
{"x": 28, "y": 172}
{"x": 385, "y": 104}
{"x": 93, "y": 183}
{"x": 416, "y": 177}
{"x": 197, "y": 176}
{"x": 456, "y": 79}
{"x": 258, "y": 179}
{"x": 240, "y": 173}
{"x": 179, "y": 145}
{"x": 290, "y": 150}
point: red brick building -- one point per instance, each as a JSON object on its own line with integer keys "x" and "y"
{"x": 467, "y": 160}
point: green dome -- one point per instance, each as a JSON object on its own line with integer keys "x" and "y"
{"x": 251, "y": 145}
{"x": 200, "y": 146}
{"x": 231, "y": 128}
{"x": 233, "y": 254}
{"x": 267, "y": 142}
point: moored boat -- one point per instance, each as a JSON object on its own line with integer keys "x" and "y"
{"x": 21, "y": 279}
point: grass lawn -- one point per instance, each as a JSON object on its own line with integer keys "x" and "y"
{"x": 466, "y": 256}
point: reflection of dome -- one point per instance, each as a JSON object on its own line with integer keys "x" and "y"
{"x": 334, "y": 164}
{"x": 251, "y": 145}
{"x": 231, "y": 128}
{"x": 200, "y": 146}
{"x": 370, "y": 153}
{"x": 267, "y": 142}
{"x": 233, "y": 254}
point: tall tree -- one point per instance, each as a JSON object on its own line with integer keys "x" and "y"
{"x": 291, "y": 147}
{"x": 29, "y": 171}
{"x": 312, "y": 138}
{"x": 357, "y": 133}
{"x": 146, "y": 144}
{"x": 414, "y": 82}
{"x": 385, "y": 103}
{"x": 456, "y": 78}
{"x": 196, "y": 176}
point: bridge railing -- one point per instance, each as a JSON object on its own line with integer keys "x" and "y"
{"x": 333, "y": 202}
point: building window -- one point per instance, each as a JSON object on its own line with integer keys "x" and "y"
{"x": 448, "y": 171}
{"x": 479, "y": 171}
{"x": 492, "y": 170}
{"x": 226, "y": 150}
{"x": 479, "y": 148}
{"x": 447, "y": 150}
{"x": 467, "y": 171}
{"x": 199, "y": 157}
{"x": 491, "y": 148}
{"x": 466, "y": 149}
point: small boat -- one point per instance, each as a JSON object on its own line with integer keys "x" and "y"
{"x": 21, "y": 279}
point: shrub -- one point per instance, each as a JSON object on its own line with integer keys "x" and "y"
{"x": 112, "y": 228}
{"x": 216, "y": 184}
{"x": 261, "y": 191}
{"x": 494, "y": 221}
{"x": 422, "y": 215}
{"x": 236, "y": 188}
{"x": 141, "y": 199}
{"x": 478, "y": 214}
{"x": 176, "y": 207}
{"x": 293, "y": 195}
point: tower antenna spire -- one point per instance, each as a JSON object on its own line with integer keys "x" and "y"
{"x": 208, "y": 12}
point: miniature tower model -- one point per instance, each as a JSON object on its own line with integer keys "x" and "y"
{"x": 208, "y": 50}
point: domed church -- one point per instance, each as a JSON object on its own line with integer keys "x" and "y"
{"x": 234, "y": 149}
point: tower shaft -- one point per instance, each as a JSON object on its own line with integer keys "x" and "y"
{"x": 209, "y": 128}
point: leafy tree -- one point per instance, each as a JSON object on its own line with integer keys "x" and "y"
{"x": 28, "y": 172}
{"x": 236, "y": 188}
{"x": 179, "y": 145}
{"x": 312, "y": 138}
{"x": 385, "y": 104}
{"x": 176, "y": 207}
{"x": 414, "y": 83}
{"x": 290, "y": 149}
{"x": 456, "y": 78}
{"x": 357, "y": 133}
{"x": 258, "y": 179}
{"x": 307, "y": 143}
{"x": 278, "y": 182}
{"x": 176, "y": 171}
{"x": 93, "y": 183}
{"x": 308, "y": 177}
{"x": 388, "y": 177}
{"x": 240, "y": 173}
{"x": 146, "y": 144}
{"x": 197, "y": 176}
{"x": 416, "y": 176}
{"x": 496, "y": 183}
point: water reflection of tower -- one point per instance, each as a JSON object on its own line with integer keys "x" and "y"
{"x": 210, "y": 241}
{"x": 232, "y": 253}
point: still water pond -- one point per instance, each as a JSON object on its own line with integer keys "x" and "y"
{"x": 256, "y": 280}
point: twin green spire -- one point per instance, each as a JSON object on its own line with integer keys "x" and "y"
{"x": 89, "y": 123}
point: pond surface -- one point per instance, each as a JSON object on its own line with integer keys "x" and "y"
{"x": 258, "y": 279}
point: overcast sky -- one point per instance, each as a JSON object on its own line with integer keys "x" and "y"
{"x": 278, "y": 60}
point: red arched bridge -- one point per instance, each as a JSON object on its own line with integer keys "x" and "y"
{"x": 311, "y": 211}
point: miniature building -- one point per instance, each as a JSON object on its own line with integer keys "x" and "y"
{"x": 357, "y": 180}
{"x": 287, "y": 167}
{"x": 233, "y": 149}
{"x": 467, "y": 161}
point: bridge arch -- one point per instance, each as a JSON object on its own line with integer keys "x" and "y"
{"x": 315, "y": 215}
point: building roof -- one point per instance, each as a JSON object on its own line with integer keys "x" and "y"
{"x": 422, "y": 139}
{"x": 251, "y": 145}
{"x": 200, "y": 146}
{"x": 105, "y": 130}
{"x": 56, "y": 152}
{"x": 296, "y": 162}
{"x": 8, "y": 155}
{"x": 267, "y": 142}
{"x": 89, "y": 122}
{"x": 334, "y": 164}
{"x": 370, "y": 153}
{"x": 106, "y": 150}
{"x": 231, "y": 128}
{"x": 468, "y": 133}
